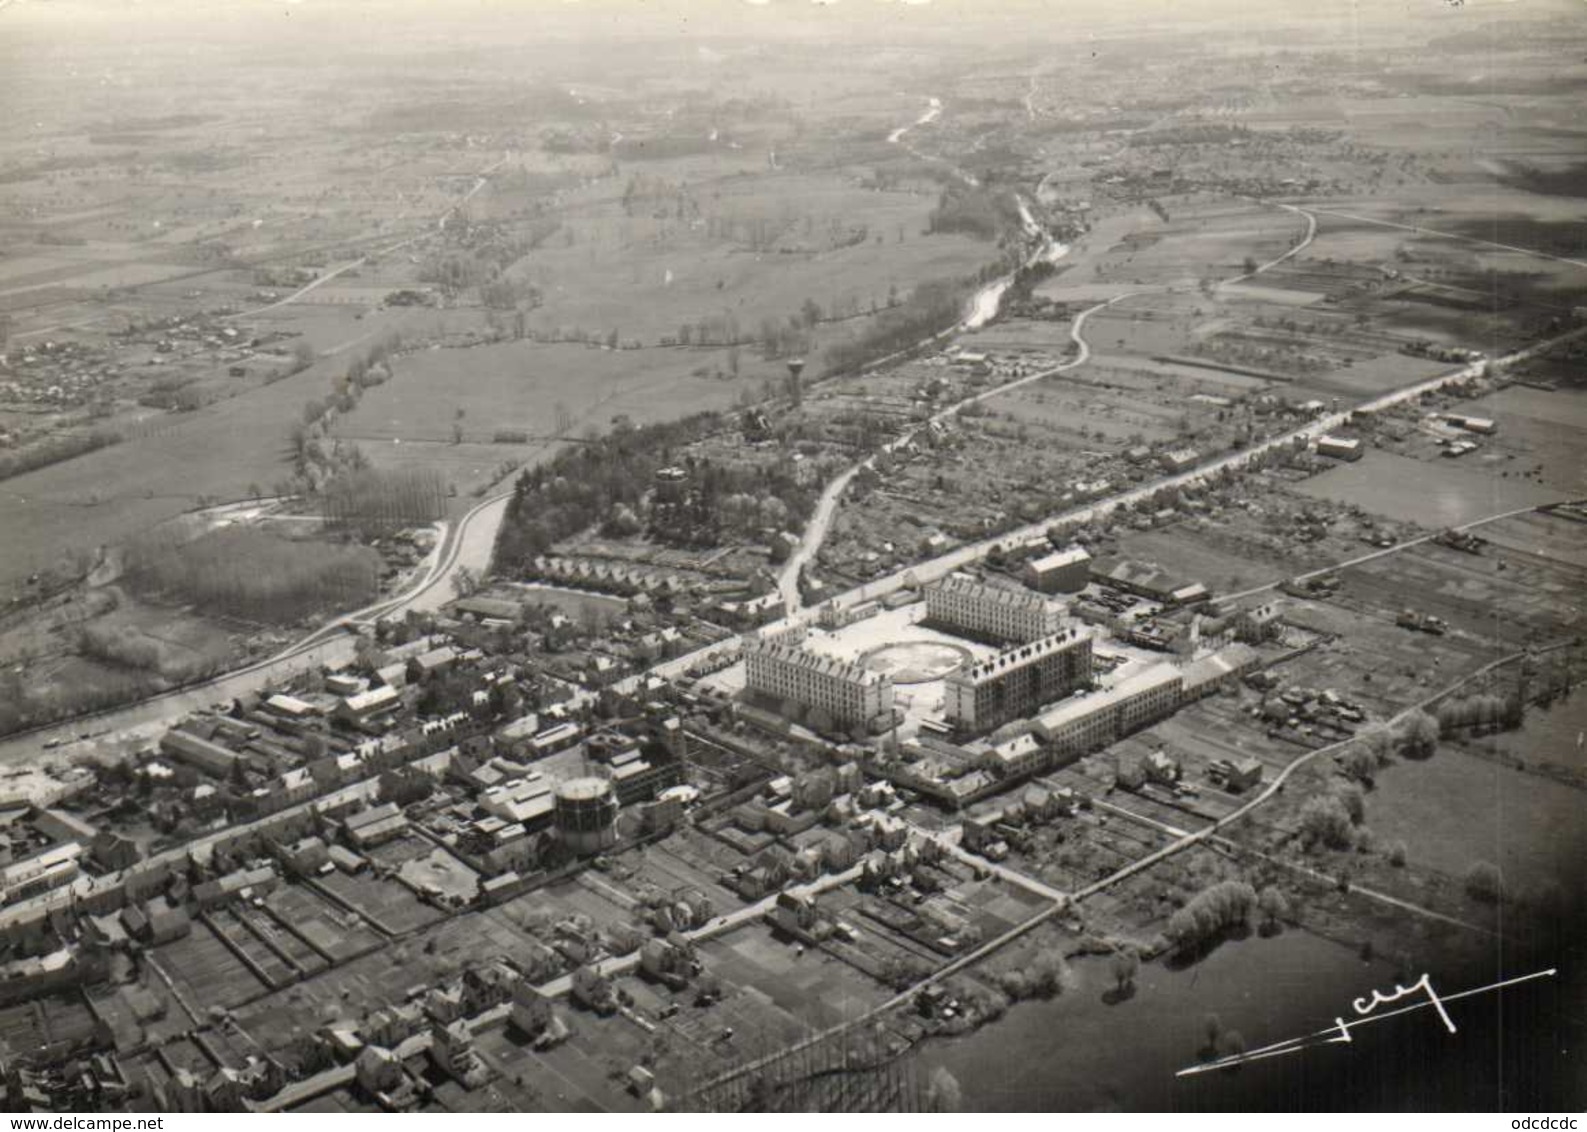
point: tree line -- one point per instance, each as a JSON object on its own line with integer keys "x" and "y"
{"x": 54, "y": 450}
{"x": 930, "y": 309}
{"x": 976, "y": 212}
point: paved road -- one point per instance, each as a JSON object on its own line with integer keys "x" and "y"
{"x": 930, "y": 570}
{"x": 949, "y": 840}
{"x": 334, "y": 1078}
{"x": 178, "y": 855}
{"x": 924, "y": 572}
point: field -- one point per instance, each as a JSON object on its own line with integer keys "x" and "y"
{"x": 142, "y": 221}
{"x": 1442, "y": 494}
{"x": 1539, "y": 431}
{"x": 758, "y": 245}
{"x": 205, "y": 971}
{"x": 387, "y": 904}
{"x": 541, "y": 390}
{"x": 1457, "y": 808}
{"x": 249, "y": 254}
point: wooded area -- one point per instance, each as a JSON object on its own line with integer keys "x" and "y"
{"x": 373, "y": 503}
{"x": 253, "y": 574}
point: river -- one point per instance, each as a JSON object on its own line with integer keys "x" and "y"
{"x": 933, "y": 109}
{"x": 1100, "y": 1056}
{"x": 1078, "y": 1053}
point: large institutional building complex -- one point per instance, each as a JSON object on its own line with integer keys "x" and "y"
{"x": 850, "y": 693}
{"x": 962, "y": 604}
{"x": 1018, "y": 681}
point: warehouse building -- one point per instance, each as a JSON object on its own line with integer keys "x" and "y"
{"x": 1339, "y": 447}
{"x": 1147, "y": 580}
{"x": 1062, "y": 571}
{"x": 196, "y": 751}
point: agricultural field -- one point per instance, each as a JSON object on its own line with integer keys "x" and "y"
{"x": 204, "y": 970}
{"x": 1446, "y": 494}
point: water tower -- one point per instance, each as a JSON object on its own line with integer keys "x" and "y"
{"x": 586, "y": 815}
{"x": 796, "y": 391}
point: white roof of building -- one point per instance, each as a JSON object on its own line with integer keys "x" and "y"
{"x": 1083, "y": 706}
{"x": 1220, "y": 664}
{"x": 1057, "y": 558}
{"x": 290, "y": 705}
{"x": 1016, "y": 748}
{"x": 372, "y": 699}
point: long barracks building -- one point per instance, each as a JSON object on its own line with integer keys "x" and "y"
{"x": 959, "y": 602}
{"x": 850, "y": 693}
{"x": 1018, "y": 681}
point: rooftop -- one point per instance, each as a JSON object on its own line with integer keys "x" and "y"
{"x": 815, "y": 662}
{"x": 1023, "y": 654}
{"x": 1059, "y": 558}
{"x": 1080, "y": 707}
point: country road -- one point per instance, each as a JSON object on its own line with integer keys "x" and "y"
{"x": 820, "y": 523}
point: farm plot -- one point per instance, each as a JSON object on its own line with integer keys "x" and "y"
{"x": 582, "y": 1074}
{"x": 185, "y": 1053}
{"x": 329, "y": 930}
{"x": 1542, "y": 433}
{"x": 206, "y": 972}
{"x": 1529, "y": 600}
{"x": 537, "y": 390}
{"x": 62, "y": 1018}
{"x": 387, "y": 904}
{"x": 298, "y": 955}
{"x": 795, "y": 992}
{"x": 1371, "y": 661}
{"x": 1097, "y": 405}
{"x": 1071, "y": 853}
{"x": 766, "y": 245}
{"x": 250, "y": 948}
{"x": 105, "y": 496}
{"x": 1197, "y": 551}
{"x": 1551, "y": 538}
